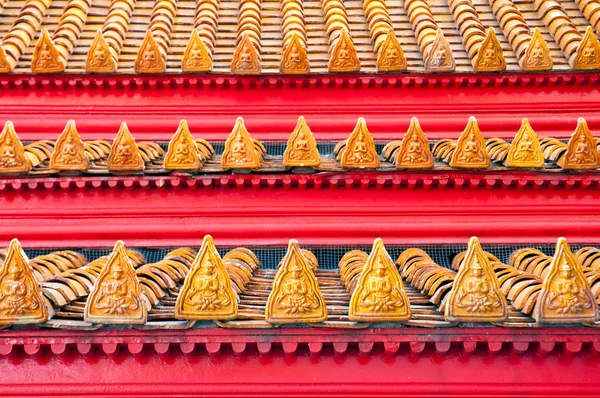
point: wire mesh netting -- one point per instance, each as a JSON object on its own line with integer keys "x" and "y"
{"x": 328, "y": 256}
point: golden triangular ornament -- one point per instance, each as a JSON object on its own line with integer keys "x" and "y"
{"x": 5, "y": 66}
{"x": 588, "y": 52}
{"x": 182, "y": 153}
{"x": 414, "y": 150}
{"x": 525, "y": 149}
{"x": 21, "y": 299}
{"x": 100, "y": 58}
{"x": 150, "y": 58}
{"x": 295, "y": 296}
{"x": 490, "y": 57}
{"x": 246, "y": 59}
{"x": 439, "y": 58}
{"x": 565, "y": 295}
{"x": 475, "y": 294}
{"x": 196, "y": 57}
{"x": 391, "y": 56}
{"x": 360, "y": 151}
{"x": 301, "y": 150}
{"x": 239, "y": 149}
{"x": 537, "y": 56}
{"x": 124, "y": 152}
{"x": 69, "y": 151}
{"x": 295, "y": 59}
{"x": 12, "y": 152}
{"x": 581, "y": 153}
{"x": 470, "y": 152}
{"x": 117, "y": 295}
{"x": 46, "y": 58}
{"x": 343, "y": 57}
{"x": 207, "y": 293}
{"x": 379, "y": 295}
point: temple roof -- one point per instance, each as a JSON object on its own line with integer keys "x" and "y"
{"x": 163, "y": 30}
{"x": 183, "y": 288}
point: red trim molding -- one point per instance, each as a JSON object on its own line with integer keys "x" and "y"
{"x": 301, "y": 363}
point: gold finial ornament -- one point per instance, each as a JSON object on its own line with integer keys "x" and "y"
{"x": 391, "y": 56}
{"x": 565, "y": 296}
{"x": 379, "y": 295}
{"x": 196, "y": 57}
{"x": 475, "y": 294}
{"x": 12, "y": 152}
{"x": 246, "y": 59}
{"x": 414, "y": 150}
{"x": 581, "y": 153}
{"x": 525, "y": 149}
{"x": 588, "y": 53}
{"x": 470, "y": 150}
{"x": 69, "y": 151}
{"x": 182, "y": 153}
{"x": 117, "y": 295}
{"x": 21, "y": 299}
{"x": 46, "y": 58}
{"x": 207, "y": 293}
{"x": 5, "y": 66}
{"x": 295, "y": 296}
{"x": 490, "y": 58}
{"x": 149, "y": 57}
{"x": 343, "y": 57}
{"x": 440, "y": 58}
{"x": 100, "y": 58}
{"x": 537, "y": 56}
{"x": 295, "y": 59}
{"x": 301, "y": 150}
{"x": 239, "y": 150}
{"x": 124, "y": 153}
{"x": 360, "y": 151}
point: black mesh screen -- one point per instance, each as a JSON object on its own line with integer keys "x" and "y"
{"x": 328, "y": 256}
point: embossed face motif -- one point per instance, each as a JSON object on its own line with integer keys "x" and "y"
{"x": 379, "y": 268}
{"x": 295, "y": 54}
{"x": 245, "y": 57}
{"x": 490, "y": 52}
{"x": 589, "y": 51}
{"x": 566, "y": 272}
{"x": 15, "y": 273}
{"x": 117, "y": 272}
{"x": 477, "y": 269}
{"x": 208, "y": 268}
{"x": 537, "y": 51}
{"x": 99, "y": 55}
{"x": 344, "y": 53}
{"x": 45, "y": 52}
{"x": 196, "y": 53}
{"x": 391, "y": 54}
{"x": 149, "y": 55}
{"x": 124, "y": 149}
{"x": 439, "y": 55}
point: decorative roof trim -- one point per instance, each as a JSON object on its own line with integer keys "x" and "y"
{"x": 571, "y": 340}
{"x": 351, "y": 180}
{"x": 151, "y": 82}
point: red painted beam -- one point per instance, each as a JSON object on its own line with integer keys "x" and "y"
{"x": 552, "y": 103}
{"x": 171, "y": 217}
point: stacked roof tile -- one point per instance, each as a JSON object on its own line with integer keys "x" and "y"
{"x": 166, "y": 36}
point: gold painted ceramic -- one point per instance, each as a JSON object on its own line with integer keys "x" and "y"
{"x": 582, "y": 153}
{"x": 537, "y": 57}
{"x": 414, "y": 152}
{"x": 295, "y": 296}
{"x": 379, "y": 295}
{"x": 343, "y": 56}
{"x": 475, "y": 294}
{"x": 470, "y": 150}
{"x": 69, "y": 151}
{"x": 196, "y": 57}
{"x": 295, "y": 58}
{"x": 46, "y": 58}
{"x": 207, "y": 293}
{"x": 440, "y": 58}
{"x": 525, "y": 149}
{"x": 12, "y": 152}
{"x": 149, "y": 57}
{"x": 124, "y": 153}
{"x": 489, "y": 58}
{"x": 360, "y": 151}
{"x": 246, "y": 59}
{"x": 391, "y": 56}
{"x": 239, "y": 149}
{"x": 117, "y": 295}
{"x": 301, "y": 150}
{"x": 100, "y": 59}
{"x": 565, "y": 295}
{"x": 182, "y": 153}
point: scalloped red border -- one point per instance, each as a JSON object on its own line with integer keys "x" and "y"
{"x": 152, "y": 82}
